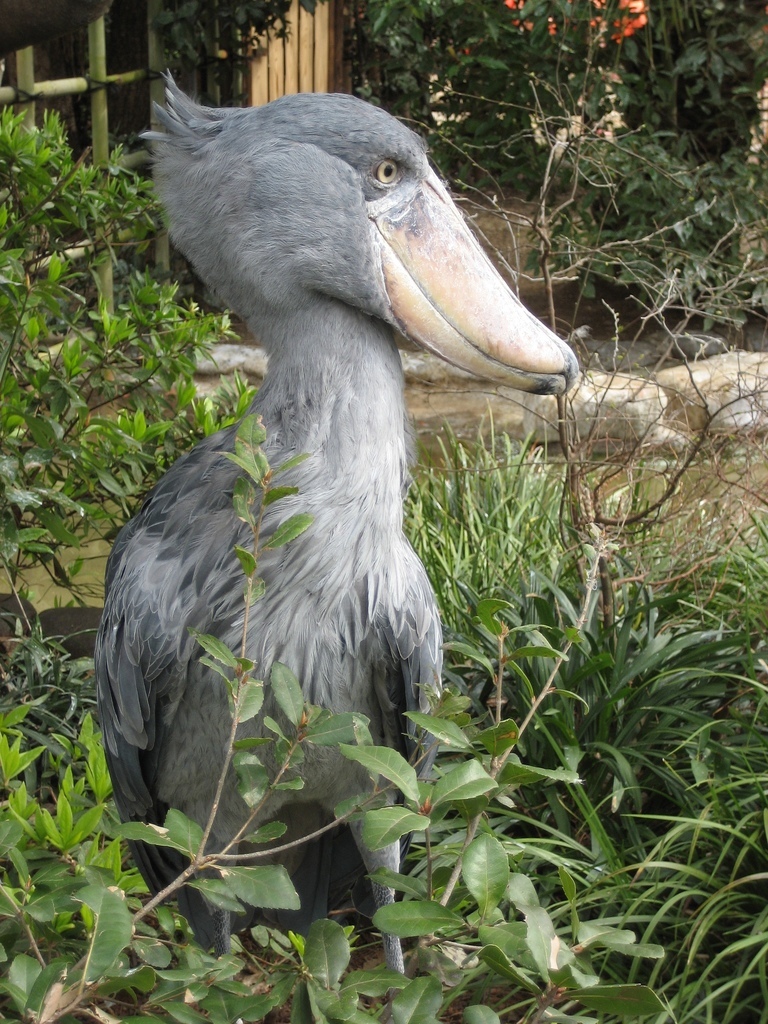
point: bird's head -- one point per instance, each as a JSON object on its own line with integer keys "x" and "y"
{"x": 319, "y": 196}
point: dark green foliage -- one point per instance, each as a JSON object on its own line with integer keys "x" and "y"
{"x": 564, "y": 849}
{"x": 217, "y": 35}
{"x": 94, "y": 404}
{"x": 641, "y": 153}
{"x": 662, "y": 713}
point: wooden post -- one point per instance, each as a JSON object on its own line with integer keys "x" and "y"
{"x": 25, "y": 75}
{"x": 97, "y": 61}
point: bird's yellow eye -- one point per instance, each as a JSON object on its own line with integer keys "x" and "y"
{"x": 387, "y": 172}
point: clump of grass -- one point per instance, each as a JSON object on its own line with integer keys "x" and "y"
{"x": 662, "y": 709}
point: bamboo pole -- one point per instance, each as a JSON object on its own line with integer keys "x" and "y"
{"x": 276, "y": 50}
{"x": 292, "y": 49}
{"x": 258, "y": 92}
{"x": 66, "y": 86}
{"x": 97, "y": 62}
{"x": 25, "y": 74}
{"x": 156, "y": 61}
{"x": 322, "y": 28}
{"x": 97, "y": 66}
{"x": 306, "y": 51}
{"x": 212, "y": 49}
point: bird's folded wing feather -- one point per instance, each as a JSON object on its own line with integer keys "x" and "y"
{"x": 153, "y": 598}
{"x": 413, "y": 633}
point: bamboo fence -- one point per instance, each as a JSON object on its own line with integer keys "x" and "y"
{"x": 304, "y": 55}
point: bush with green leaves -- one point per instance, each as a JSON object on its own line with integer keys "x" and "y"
{"x": 94, "y": 403}
{"x": 661, "y": 708}
{"x": 73, "y": 938}
{"x": 642, "y": 154}
{"x": 598, "y": 802}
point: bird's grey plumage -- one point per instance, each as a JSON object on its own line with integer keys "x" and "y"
{"x": 274, "y": 206}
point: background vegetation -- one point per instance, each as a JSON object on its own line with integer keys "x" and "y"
{"x": 635, "y": 135}
{"x": 596, "y": 830}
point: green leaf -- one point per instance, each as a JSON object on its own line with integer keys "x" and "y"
{"x": 183, "y": 831}
{"x": 473, "y": 653}
{"x": 462, "y": 782}
{"x": 479, "y": 1014}
{"x": 215, "y": 647}
{"x": 486, "y": 612}
{"x": 521, "y": 891}
{"x": 112, "y": 932}
{"x": 247, "y": 560}
{"x": 385, "y": 825}
{"x": 498, "y": 961}
{"x": 267, "y": 833}
{"x": 499, "y": 738}
{"x": 152, "y": 835}
{"x": 287, "y": 693}
{"x": 22, "y": 975}
{"x": 250, "y": 698}
{"x": 418, "y": 1003}
{"x": 408, "y": 884}
{"x": 514, "y": 773}
{"x": 622, "y": 940}
{"x": 442, "y": 729}
{"x": 619, "y": 999}
{"x": 295, "y": 460}
{"x": 289, "y": 530}
{"x": 152, "y": 952}
{"x": 267, "y": 885}
{"x": 243, "y": 497}
{"x": 329, "y": 730}
{"x": 383, "y": 761}
{"x": 251, "y": 433}
{"x": 276, "y": 493}
{"x": 374, "y": 982}
{"x": 542, "y": 940}
{"x": 252, "y": 777}
{"x": 10, "y": 835}
{"x": 301, "y": 1008}
{"x": 568, "y": 884}
{"x": 326, "y": 953}
{"x": 486, "y": 872}
{"x": 416, "y": 917}
{"x": 218, "y": 893}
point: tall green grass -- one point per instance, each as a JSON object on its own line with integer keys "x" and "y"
{"x": 663, "y": 712}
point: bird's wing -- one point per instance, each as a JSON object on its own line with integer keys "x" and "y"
{"x": 412, "y": 631}
{"x": 158, "y": 586}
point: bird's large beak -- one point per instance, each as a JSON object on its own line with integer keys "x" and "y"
{"x": 446, "y": 295}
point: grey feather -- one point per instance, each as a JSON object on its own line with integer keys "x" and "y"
{"x": 319, "y": 221}
{"x": 269, "y": 205}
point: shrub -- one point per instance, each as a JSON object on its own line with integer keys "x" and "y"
{"x": 636, "y": 136}
{"x": 94, "y": 403}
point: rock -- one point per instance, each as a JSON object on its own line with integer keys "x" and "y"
{"x": 728, "y": 392}
{"x": 16, "y": 615}
{"x": 697, "y": 346}
{"x": 756, "y": 336}
{"x": 613, "y": 408}
{"x": 73, "y": 628}
{"x": 250, "y": 360}
{"x": 468, "y": 412}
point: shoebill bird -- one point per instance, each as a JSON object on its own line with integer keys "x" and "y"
{"x": 317, "y": 219}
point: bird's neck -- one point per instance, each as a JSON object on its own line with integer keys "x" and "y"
{"x": 337, "y": 396}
